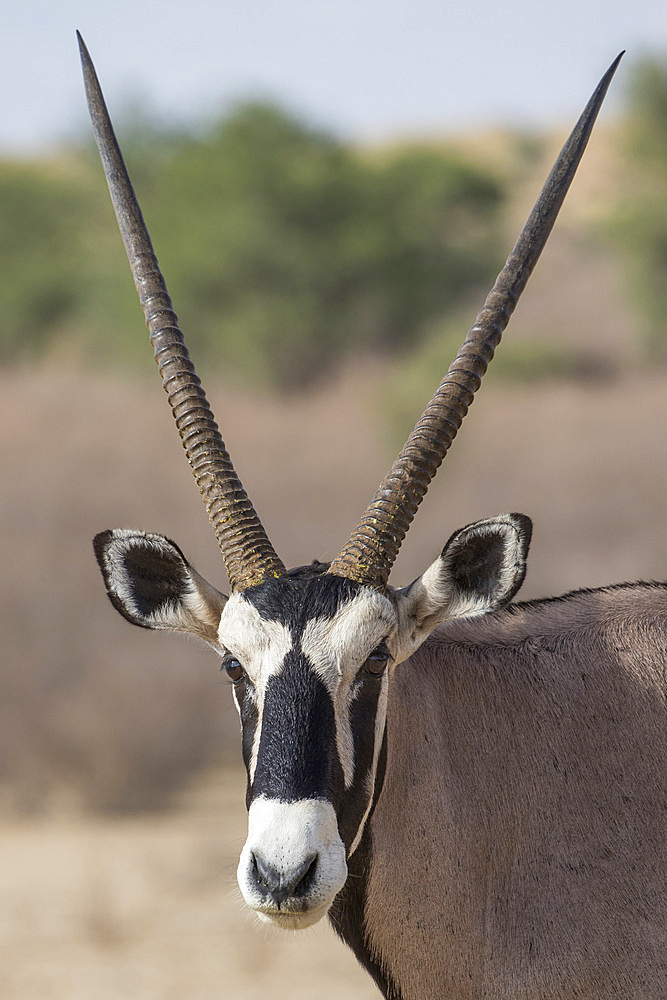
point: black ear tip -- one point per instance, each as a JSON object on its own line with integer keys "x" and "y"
{"x": 524, "y": 526}
{"x": 100, "y": 542}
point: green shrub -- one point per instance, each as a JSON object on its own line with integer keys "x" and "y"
{"x": 639, "y": 221}
{"x": 284, "y": 249}
{"x": 43, "y": 275}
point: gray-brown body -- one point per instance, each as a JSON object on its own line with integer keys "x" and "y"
{"x": 519, "y": 841}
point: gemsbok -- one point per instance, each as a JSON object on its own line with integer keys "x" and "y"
{"x": 472, "y": 790}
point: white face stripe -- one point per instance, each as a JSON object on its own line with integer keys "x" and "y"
{"x": 259, "y": 704}
{"x": 260, "y": 645}
{"x": 254, "y": 753}
{"x": 344, "y": 742}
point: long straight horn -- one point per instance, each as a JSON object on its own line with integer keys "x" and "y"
{"x": 373, "y": 546}
{"x": 248, "y": 554}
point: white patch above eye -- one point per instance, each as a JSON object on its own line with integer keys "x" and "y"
{"x": 260, "y": 645}
{"x": 336, "y": 647}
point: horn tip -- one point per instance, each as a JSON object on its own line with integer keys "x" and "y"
{"x": 606, "y": 79}
{"x": 82, "y": 45}
{"x": 86, "y": 65}
{"x": 601, "y": 90}
{"x": 614, "y": 65}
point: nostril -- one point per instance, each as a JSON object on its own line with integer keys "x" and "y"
{"x": 306, "y": 876}
{"x": 276, "y": 885}
{"x": 265, "y": 875}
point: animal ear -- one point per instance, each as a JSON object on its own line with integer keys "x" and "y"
{"x": 150, "y": 582}
{"x": 480, "y": 569}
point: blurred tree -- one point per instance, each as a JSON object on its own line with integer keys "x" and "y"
{"x": 283, "y": 248}
{"x": 640, "y": 221}
{"x": 43, "y": 271}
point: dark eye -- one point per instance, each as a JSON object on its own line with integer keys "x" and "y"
{"x": 233, "y": 668}
{"x": 377, "y": 661}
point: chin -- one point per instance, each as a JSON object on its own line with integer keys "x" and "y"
{"x": 292, "y": 920}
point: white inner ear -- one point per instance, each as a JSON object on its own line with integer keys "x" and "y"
{"x": 197, "y": 612}
{"x": 503, "y": 581}
{"x": 195, "y": 609}
{"x": 436, "y": 595}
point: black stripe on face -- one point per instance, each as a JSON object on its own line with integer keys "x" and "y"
{"x": 297, "y": 756}
{"x": 294, "y": 601}
{"x": 244, "y": 694}
{"x": 363, "y": 713}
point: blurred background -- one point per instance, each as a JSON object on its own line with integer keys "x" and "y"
{"x": 331, "y": 190}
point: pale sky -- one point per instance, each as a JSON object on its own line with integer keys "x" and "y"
{"x": 366, "y": 69}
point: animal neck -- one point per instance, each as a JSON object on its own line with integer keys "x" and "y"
{"x": 511, "y": 777}
{"x": 430, "y": 847}
{"x": 380, "y": 880}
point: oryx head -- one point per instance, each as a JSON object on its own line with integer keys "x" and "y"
{"x": 310, "y": 651}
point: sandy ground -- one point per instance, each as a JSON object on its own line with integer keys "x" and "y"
{"x": 147, "y": 909}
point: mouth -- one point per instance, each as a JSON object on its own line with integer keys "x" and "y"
{"x": 291, "y": 920}
{"x": 293, "y": 912}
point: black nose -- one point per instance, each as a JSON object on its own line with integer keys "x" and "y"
{"x": 276, "y": 886}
